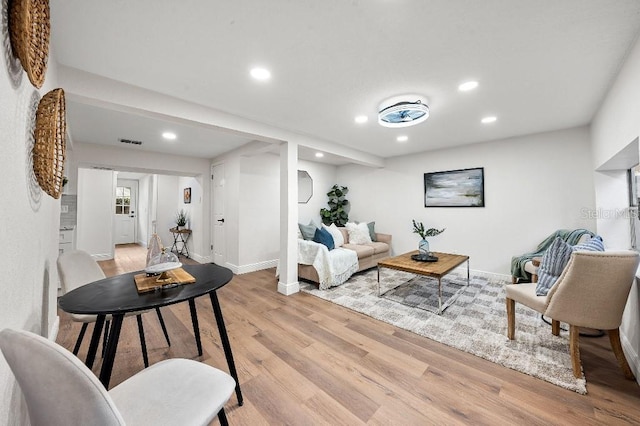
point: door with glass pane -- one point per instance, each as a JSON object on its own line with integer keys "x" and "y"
{"x": 125, "y": 211}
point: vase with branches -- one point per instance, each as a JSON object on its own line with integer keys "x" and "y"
{"x": 423, "y": 245}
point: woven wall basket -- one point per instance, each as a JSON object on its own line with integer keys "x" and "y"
{"x": 50, "y": 142}
{"x": 29, "y": 30}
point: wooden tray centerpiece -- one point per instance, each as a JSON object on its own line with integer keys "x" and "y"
{"x": 146, "y": 283}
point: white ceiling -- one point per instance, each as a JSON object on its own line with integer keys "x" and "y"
{"x": 542, "y": 65}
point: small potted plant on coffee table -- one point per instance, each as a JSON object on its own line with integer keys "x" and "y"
{"x": 423, "y": 245}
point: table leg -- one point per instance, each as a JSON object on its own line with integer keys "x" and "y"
{"x": 217, "y": 312}
{"x": 378, "y": 281}
{"x": 439, "y": 296}
{"x": 196, "y": 328}
{"x": 95, "y": 340}
{"x": 112, "y": 346}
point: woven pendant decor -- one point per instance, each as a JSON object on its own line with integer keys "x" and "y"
{"x": 29, "y": 30}
{"x": 50, "y": 142}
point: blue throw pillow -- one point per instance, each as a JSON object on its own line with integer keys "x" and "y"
{"x": 308, "y": 231}
{"x": 553, "y": 262}
{"x": 593, "y": 244}
{"x": 323, "y": 236}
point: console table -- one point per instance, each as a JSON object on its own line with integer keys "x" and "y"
{"x": 180, "y": 238}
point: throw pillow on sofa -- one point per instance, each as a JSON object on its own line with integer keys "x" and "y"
{"x": 358, "y": 233}
{"x": 323, "y": 236}
{"x": 308, "y": 231}
{"x": 372, "y": 230}
{"x": 338, "y": 239}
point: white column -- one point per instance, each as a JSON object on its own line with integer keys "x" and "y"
{"x": 288, "y": 281}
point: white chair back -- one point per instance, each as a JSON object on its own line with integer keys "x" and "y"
{"x": 58, "y": 388}
{"x": 77, "y": 268}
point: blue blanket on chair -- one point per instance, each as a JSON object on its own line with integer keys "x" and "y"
{"x": 571, "y": 237}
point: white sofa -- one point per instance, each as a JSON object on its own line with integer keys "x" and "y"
{"x": 367, "y": 255}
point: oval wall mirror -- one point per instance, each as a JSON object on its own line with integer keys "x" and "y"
{"x": 305, "y": 187}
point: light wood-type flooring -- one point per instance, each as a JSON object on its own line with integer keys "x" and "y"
{"x": 305, "y": 361}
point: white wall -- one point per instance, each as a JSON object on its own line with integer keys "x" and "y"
{"x": 324, "y": 177}
{"x": 616, "y": 126}
{"x": 534, "y": 185}
{"x": 96, "y": 203}
{"x": 259, "y": 212}
{"x": 29, "y": 227}
{"x": 168, "y": 206}
{"x": 144, "y": 206}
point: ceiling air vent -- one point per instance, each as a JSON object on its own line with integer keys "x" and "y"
{"x": 130, "y": 142}
{"x": 101, "y": 168}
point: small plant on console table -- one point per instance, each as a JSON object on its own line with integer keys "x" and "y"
{"x": 181, "y": 218}
{"x": 338, "y": 211}
{"x": 423, "y": 245}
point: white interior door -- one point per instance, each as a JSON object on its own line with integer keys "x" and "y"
{"x": 124, "y": 218}
{"x": 217, "y": 210}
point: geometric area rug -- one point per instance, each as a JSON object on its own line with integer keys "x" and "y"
{"x": 475, "y": 323}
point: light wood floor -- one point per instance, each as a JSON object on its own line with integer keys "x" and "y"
{"x": 305, "y": 361}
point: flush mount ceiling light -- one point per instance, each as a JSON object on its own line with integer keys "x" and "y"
{"x": 261, "y": 74}
{"x": 169, "y": 135}
{"x": 403, "y": 111}
{"x": 469, "y": 85}
{"x": 360, "y": 119}
{"x": 488, "y": 120}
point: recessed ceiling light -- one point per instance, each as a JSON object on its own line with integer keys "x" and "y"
{"x": 361, "y": 119}
{"x": 169, "y": 135}
{"x": 319, "y": 154}
{"x": 468, "y": 85}
{"x": 402, "y": 138}
{"x": 488, "y": 120}
{"x": 261, "y": 74}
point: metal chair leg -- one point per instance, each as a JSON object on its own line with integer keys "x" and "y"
{"x": 196, "y": 328}
{"x": 164, "y": 328}
{"x": 76, "y": 348}
{"x": 222, "y": 417}
{"x": 143, "y": 343}
{"x": 105, "y": 339}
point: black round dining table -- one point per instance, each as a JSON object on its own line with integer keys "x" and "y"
{"x": 119, "y": 295}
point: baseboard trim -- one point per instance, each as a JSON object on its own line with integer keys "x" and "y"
{"x": 631, "y": 355}
{"x": 201, "y": 259}
{"x": 104, "y": 256}
{"x": 244, "y": 269}
{"x": 288, "y": 288}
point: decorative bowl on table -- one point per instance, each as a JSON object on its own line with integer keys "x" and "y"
{"x": 424, "y": 258}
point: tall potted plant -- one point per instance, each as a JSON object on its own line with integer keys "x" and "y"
{"x": 338, "y": 211}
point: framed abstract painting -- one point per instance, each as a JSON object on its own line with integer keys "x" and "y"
{"x": 454, "y": 188}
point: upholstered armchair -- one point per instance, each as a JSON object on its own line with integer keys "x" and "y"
{"x": 591, "y": 292}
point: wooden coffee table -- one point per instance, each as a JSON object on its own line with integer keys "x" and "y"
{"x": 446, "y": 263}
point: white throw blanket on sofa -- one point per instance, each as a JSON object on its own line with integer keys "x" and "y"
{"x": 334, "y": 267}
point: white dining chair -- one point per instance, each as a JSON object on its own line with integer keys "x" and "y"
{"x": 77, "y": 268}
{"x": 60, "y": 390}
